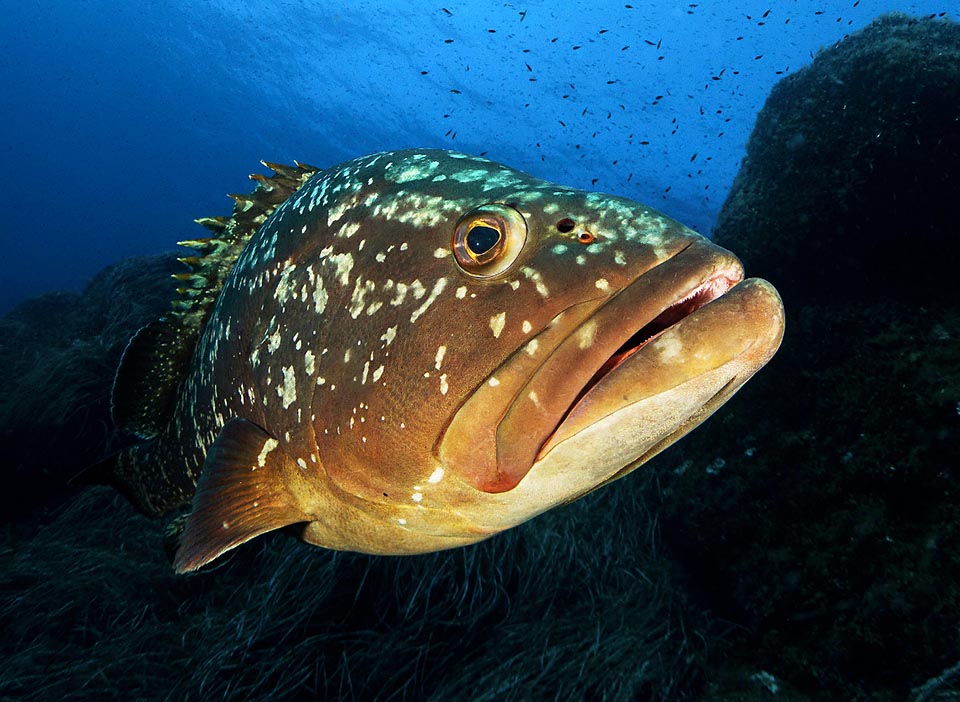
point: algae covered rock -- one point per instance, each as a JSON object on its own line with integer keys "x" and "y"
{"x": 849, "y": 184}
{"x": 58, "y": 355}
{"x": 823, "y": 510}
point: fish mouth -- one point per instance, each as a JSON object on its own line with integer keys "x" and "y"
{"x": 707, "y": 291}
{"x": 617, "y": 379}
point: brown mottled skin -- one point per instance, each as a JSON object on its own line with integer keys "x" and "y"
{"x": 363, "y": 376}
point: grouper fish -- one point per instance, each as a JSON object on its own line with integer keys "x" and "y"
{"x": 415, "y": 350}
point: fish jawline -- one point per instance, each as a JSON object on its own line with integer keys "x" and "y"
{"x": 701, "y": 295}
{"x": 705, "y": 355}
{"x": 525, "y": 401}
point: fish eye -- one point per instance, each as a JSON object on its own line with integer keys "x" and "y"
{"x": 481, "y": 241}
{"x": 488, "y": 239}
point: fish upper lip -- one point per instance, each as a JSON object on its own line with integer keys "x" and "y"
{"x": 715, "y": 286}
{"x": 527, "y": 399}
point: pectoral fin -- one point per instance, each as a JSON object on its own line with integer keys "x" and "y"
{"x": 243, "y": 492}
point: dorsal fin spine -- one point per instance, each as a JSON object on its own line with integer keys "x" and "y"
{"x": 144, "y": 401}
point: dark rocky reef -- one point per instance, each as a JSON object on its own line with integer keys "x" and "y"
{"x": 821, "y": 509}
{"x": 58, "y": 355}
{"x": 849, "y": 185}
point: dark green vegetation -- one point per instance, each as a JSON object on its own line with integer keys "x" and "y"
{"x": 92, "y": 611}
{"x": 58, "y": 355}
{"x": 817, "y": 513}
{"x": 822, "y": 509}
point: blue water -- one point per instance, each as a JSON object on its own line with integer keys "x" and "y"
{"x": 123, "y": 121}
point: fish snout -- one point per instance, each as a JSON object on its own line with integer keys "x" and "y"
{"x": 679, "y": 377}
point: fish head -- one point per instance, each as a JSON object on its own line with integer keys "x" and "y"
{"x": 496, "y": 344}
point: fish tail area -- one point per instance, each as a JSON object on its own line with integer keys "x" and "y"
{"x": 123, "y": 472}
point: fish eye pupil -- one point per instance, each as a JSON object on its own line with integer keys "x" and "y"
{"x": 481, "y": 238}
{"x": 488, "y": 239}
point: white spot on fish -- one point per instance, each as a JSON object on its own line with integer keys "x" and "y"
{"x": 461, "y": 292}
{"x": 348, "y": 230}
{"x": 309, "y": 362}
{"x": 436, "y": 476}
{"x": 268, "y": 446}
{"x": 273, "y": 342}
{"x": 416, "y": 497}
{"x": 493, "y": 382}
{"x": 343, "y": 262}
{"x": 388, "y": 336}
{"x": 537, "y": 279}
{"x": 289, "y": 390}
{"x": 471, "y": 175}
{"x": 526, "y": 326}
{"x": 434, "y": 294}
{"x": 282, "y": 293}
{"x": 441, "y": 253}
{"x": 531, "y": 347}
{"x": 319, "y": 297}
{"x": 602, "y": 284}
{"x": 533, "y": 398}
{"x": 444, "y": 387}
{"x": 497, "y": 323}
{"x": 357, "y": 299}
{"x": 377, "y": 373}
{"x": 586, "y": 333}
{"x": 670, "y": 348}
{"x": 400, "y": 295}
{"x": 438, "y": 359}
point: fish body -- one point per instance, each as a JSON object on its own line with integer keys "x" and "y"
{"x": 418, "y": 349}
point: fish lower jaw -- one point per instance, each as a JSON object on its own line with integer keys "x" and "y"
{"x": 708, "y": 353}
{"x": 719, "y": 282}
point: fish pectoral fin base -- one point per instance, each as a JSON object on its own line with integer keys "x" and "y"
{"x": 244, "y": 491}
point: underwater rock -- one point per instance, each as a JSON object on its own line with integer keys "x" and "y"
{"x": 822, "y": 510}
{"x": 849, "y": 183}
{"x": 58, "y": 355}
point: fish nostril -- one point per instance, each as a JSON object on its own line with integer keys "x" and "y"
{"x": 566, "y": 225}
